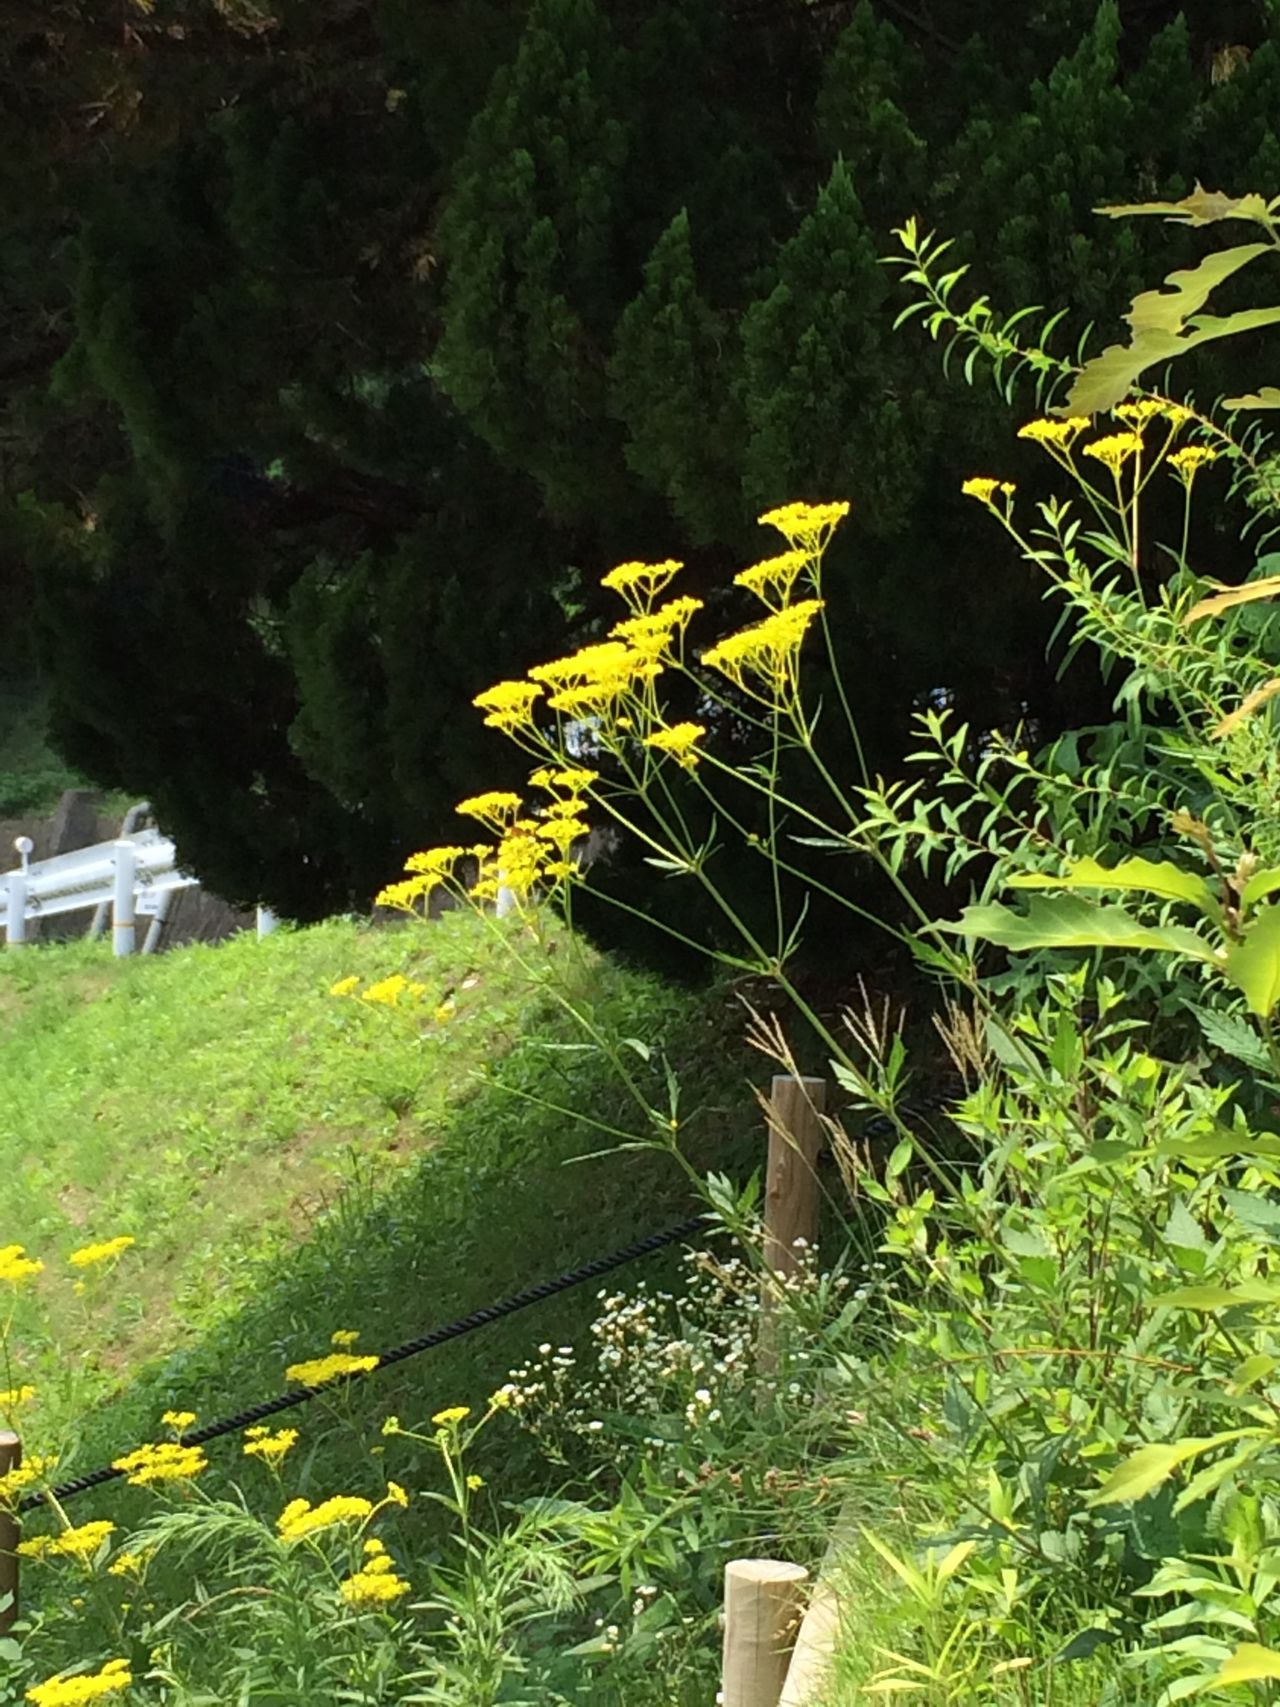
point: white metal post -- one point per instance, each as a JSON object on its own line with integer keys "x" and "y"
{"x": 15, "y": 928}
{"x": 155, "y": 930}
{"x": 125, "y": 856}
{"x": 267, "y": 921}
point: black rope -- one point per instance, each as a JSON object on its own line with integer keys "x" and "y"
{"x": 411, "y": 1348}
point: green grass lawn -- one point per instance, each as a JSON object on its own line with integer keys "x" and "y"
{"x": 291, "y": 1164}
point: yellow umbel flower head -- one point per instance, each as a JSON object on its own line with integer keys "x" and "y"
{"x": 1188, "y": 461}
{"x": 680, "y": 741}
{"x": 496, "y": 808}
{"x": 78, "y": 1691}
{"x": 1059, "y": 435}
{"x": 640, "y": 583}
{"x": 375, "y": 1584}
{"x": 16, "y": 1265}
{"x": 168, "y": 1461}
{"x": 319, "y": 1370}
{"x": 81, "y": 1544}
{"x": 450, "y": 1415}
{"x": 88, "y": 1256}
{"x": 272, "y": 1448}
{"x": 388, "y": 991}
{"x": 1137, "y": 414}
{"x": 768, "y": 652}
{"x": 772, "y": 579}
{"x": 808, "y": 526}
{"x": 1115, "y": 450}
{"x": 508, "y": 705}
{"x": 300, "y": 1518}
{"x": 984, "y": 489}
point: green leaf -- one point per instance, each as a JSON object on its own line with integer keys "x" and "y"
{"x": 1267, "y": 398}
{"x": 1226, "y": 598}
{"x": 1085, "y": 1643}
{"x": 1163, "y": 328}
{"x": 1151, "y": 1465}
{"x": 1260, "y": 885}
{"x": 1146, "y": 1469}
{"x": 1201, "y": 207}
{"x": 1144, "y": 876}
{"x": 1254, "y": 964}
{"x": 1069, "y": 921}
{"x": 1233, "y": 1036}
{"x": 1248, "y": 1292}
{"x": 1249, "y": 1664}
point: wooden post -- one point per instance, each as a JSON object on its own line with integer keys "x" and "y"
{"x": 10, "y": 1459}
{"x": 762, "y": 1606}
{"x": 790, "y": 1194}
{"x": 791, "y": 1185}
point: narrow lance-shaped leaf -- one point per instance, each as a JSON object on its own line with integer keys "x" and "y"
{"x": 1228, "y": 597}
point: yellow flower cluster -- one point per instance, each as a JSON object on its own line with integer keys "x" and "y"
{"x": 82, "y": 1543}
{"x": 88, "y": 1686}
{"x": 16, "y": 1265}
{"x": 594, "y": 680}
{"x": 388, "y": 991}
{"x": 639, "y": 583}
{"x": 319, "y": 1370}
{"x": 179, "y": 1421}
{"x": 984, "y": 488}
{"x": 1139, "y": 413}
{"x": 88, "y": 1256}
{"x": 1187, "y": 461}
{"x": 31, "y": 1470}
{"x": 575, "y": 782}
{"x": 808, "y": 526}
{"x": 127, "y": 1564}
{"x": 167, "y": 1461}
{"x": 344, "y": 1336}
{"x": 300, "y": 1518}
{"x": 450, "y": 1415}
{"x": 652, "y": 633}
{"x": 1115, "y": 450}
{"x": 12, "y": 1397}
{"x": 680, "y": 741}
{"x": 773, "y": 579}
{"x": 375, "y": 1583}
{"x": 495, "y": 810}
{"x": 508, "y": 705}
{"x": 768, "y": 650}
{"x": 259, "y": 1442}
{"x": 1061, "y": 435}
{"x": 345, "y": 986}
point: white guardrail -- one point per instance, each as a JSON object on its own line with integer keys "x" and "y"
{"x": 135, "y": 876}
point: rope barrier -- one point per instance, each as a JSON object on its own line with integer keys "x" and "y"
{"x": 480, "y": 1318}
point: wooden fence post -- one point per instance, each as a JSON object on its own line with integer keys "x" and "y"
{"x": 10, "y": 1459}
{"x": 790, "y": 1193}
{"x": 762, "y": 1606}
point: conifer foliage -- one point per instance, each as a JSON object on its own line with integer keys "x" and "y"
{"x": 343, "y": 346}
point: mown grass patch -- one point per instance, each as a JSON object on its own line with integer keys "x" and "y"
{"x": 291, "y": 1164}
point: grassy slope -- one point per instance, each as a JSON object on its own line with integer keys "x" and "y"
{"x": 291, "y": 1164}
